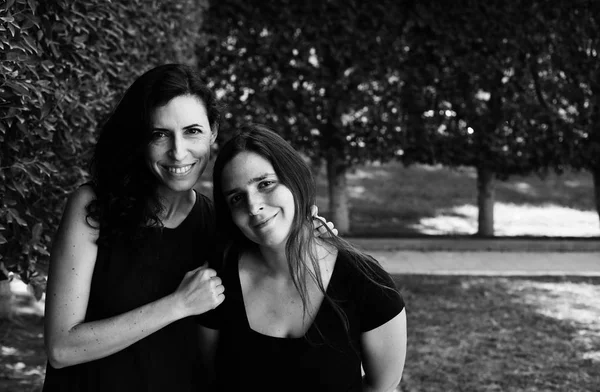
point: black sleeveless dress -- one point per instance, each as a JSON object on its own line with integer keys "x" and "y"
{"x": 128, "y": 275}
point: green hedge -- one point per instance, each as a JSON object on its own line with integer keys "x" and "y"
{"x": 63, "y": 64}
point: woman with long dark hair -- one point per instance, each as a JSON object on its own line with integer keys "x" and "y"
{"x": 302, "y": 313}
{"x": 126, "y": 268}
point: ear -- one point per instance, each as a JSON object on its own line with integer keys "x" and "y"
{"x": 213, "y": 136}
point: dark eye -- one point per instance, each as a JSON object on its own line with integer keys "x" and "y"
{"x": 234, "y": 199}
{"x": 194, "y": 131}
{"x": 266, "y": 183}
{"x": 158, "y": 135}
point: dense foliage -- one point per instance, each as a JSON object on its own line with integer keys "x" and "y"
{"x": 508, "y": 88}
{"x": 504, "y": 87}
{"x": 63, "y": 65}
{"x": 322, "y": 73}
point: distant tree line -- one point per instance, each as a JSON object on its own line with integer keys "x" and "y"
{"x": 505, "y": 87}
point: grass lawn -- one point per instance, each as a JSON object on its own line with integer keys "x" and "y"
{"x": 393, "y": 200}
{"x": 501, "y": 334}
{"x": 433, "y": 200}
{"x": 465, "y": 334}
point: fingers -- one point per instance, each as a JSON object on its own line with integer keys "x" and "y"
{"x": 195, "y": 270}
{"x": 320, "y": 219}
{"x": 216, "y": 281}
{"x": 314, "y": 211}
{"x": 323, "y": 228}
{"x": 208, "y": 273}
{"x": 332, "y": 228}
{"x": 217, "y": 291}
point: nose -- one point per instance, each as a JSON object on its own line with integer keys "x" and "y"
{"x": 255, "y": 203}
{"x": 178, "y": 149}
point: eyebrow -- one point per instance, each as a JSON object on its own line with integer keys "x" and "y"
{"x": 185, "y": 128}
{"x": 251, "y": 181}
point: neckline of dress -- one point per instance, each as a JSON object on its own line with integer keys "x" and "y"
{"x": 238, "y": 282}
{"x": 190, "y": 213}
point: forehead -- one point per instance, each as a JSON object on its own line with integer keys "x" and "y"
{"x": 243, "y": 168}
{"x": 180, "y": 112}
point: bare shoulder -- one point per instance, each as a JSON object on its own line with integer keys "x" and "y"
{"x": 81, "y": 197}
{"x": 327, "y": 255}
{"x": 75, "y": 222}
{"x": 78, "y": 202}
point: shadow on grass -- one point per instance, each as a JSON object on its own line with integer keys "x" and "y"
{"x": 501, "y": 334}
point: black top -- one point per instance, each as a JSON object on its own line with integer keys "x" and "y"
{"x": 327, "y": 358}
{"x": 128, "y": 275}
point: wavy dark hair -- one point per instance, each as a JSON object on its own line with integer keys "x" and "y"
{"x": 295, "y": 174}
{"x": 126, "y": 197}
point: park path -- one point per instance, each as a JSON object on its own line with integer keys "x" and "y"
{"x": 465, "y": 257}
{"x": 496, "y": 256}
{"x": 498, "y": 263}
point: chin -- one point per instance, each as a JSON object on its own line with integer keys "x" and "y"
{"x": 272, "y": 242}
{"x": 179, "y": 187}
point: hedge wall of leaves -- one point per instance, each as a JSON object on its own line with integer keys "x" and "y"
{"x": 63, "y": 65}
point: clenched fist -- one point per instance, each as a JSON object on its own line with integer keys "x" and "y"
{"x": 200, "y": 291}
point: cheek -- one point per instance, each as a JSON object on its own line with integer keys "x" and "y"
{"x": 201, "y": 149}
{"x": 153, "y": 153}
{"x": 238, "y": 218}
{"x": 290, "y": 205}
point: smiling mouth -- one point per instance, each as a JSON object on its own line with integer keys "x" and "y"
{"x": 179, "y": 170}
{"x": 265, "y": 222}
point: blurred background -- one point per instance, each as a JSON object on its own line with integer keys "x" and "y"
{"x": 420, "y": 119}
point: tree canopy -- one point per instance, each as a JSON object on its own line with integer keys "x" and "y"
{"x": 322, "y": 73}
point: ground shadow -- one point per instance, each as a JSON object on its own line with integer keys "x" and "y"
{"x": 501, "y": 334}
{"x": 465, "y": 333}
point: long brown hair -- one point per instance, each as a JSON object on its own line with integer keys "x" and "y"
{"x": 295, "y": 174}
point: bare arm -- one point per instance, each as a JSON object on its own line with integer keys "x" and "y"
{"x": 69, "y": 339}
{"x": 384, "y": 350}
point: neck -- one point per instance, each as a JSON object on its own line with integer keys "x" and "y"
{"x": 174, "y": 202}
{"x": 275, "y": 260}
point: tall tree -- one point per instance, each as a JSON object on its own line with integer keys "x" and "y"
{"x": 322, "y": 73}
{"x": 470, "y": 96}
{"x": 569, "y": 82}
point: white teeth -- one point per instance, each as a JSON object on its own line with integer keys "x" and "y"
{"x": 179, "y": 170}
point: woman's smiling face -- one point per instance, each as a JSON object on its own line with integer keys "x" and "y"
{"x": 179, "y": 149}
{"x": 260, "y": 205}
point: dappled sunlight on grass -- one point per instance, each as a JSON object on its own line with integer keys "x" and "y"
{"x": 501, "y": 334}
{"x": 356, "y": 191}
{"x": 22, "y": 358}
{"x": 514, "y": 220}
{"x": 373, "y": 172}
{"x": 23, "y": 362}
{"x": 392, "y": 200}
{"x": 574, "y": 303}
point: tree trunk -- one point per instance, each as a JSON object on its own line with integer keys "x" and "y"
{"x": 596, "y": 175}
{"x": 338, "y": 197}
{"x": 6, "y": 297}
{"x": 485, "y": 202}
